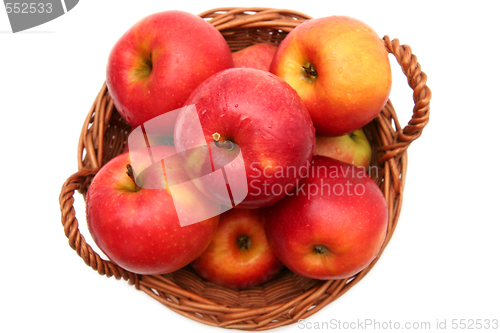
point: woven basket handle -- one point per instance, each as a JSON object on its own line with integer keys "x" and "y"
{"x": 395, "y": 145}
{"x": 76, "y": 240}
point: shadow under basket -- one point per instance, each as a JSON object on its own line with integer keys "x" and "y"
{"x": 288, "y": 297}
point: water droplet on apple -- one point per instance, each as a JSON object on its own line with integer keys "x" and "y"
{"x": 290, "y": 67}
{"x": 340, "y": 70}
{"x": 222, "y": 115}
{"x": 236, "y": 105}
{"x": 233, "y": 165}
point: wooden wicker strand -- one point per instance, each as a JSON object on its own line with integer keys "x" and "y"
{"x": 76, "y": 240}
{"x": 421, "y": 96}
{"x": 288, "y": 297}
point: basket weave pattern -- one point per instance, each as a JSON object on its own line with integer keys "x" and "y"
{"x": 288, "y": 297}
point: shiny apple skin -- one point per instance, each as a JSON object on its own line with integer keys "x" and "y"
{"x": 226, "y": 263}
{"x": 267, "y": 121}
{"x": 182, "y": 49}
{"x": 353, "y": 148}
{"x": 139, "y": 229}
{"x": 354, "y": 77}
{"x": 352, "y": 228}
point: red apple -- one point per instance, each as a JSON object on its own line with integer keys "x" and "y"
{"x": 332, "y": 226}
{"x": 340, "y": 68}
{"x": 353, "y": 148}
{"x": 139, "y": 228}
{"x": 245, "y": 135}
{"x": 159, "y": 61}
{"x": 257, "y": 56}
{"x": 239, "y": 255}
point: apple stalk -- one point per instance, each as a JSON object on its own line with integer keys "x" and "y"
{"x": 244, "y": 242}
{"x": 309, "y": 72}
{"x": 130, "y": 173}
{"x": 228, "y": 144}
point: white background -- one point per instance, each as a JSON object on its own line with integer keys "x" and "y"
{"x": 442, "y": 263}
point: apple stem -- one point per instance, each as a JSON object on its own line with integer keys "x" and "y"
{"x": 228, "y": 144}
{"x": 310, "y": 71}
{"x": 320, "y": 249}
{"x": 244, "y": 242}
{"x": 130, "y": 173}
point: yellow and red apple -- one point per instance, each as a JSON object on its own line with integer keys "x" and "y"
{"x": 353, "y": 148}
{"x": 239, "y": 255}
{"x": 340, "y": 68}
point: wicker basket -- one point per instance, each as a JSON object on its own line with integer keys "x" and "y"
{"x": 288, "y": 297}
